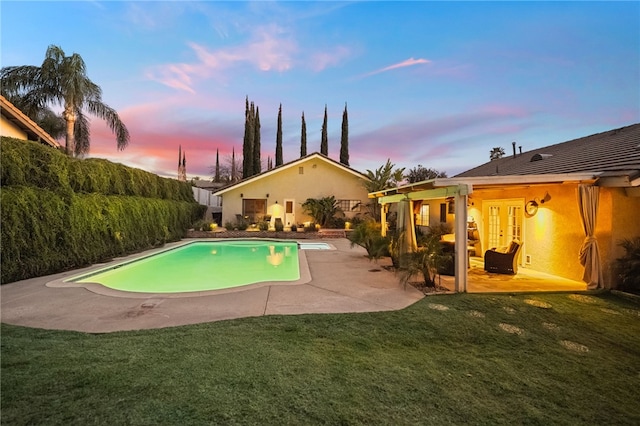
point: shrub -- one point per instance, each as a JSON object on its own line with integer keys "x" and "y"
{"x": 27, "y": 163}
{"x": 336, "y": 223}
{"x": 368, "y": 235}
{"x": 427, "y": 261}
{"x": 322, "y": 210}
{"x": 628, "y": 266}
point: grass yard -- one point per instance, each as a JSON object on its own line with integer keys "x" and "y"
{"x": 477, "y": 359}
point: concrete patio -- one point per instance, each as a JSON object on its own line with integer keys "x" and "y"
{"x": 341, "y": 281}
{"x": 481, "y": 281}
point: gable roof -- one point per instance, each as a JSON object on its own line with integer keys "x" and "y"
{"x": 24, "y": 123}
{"x": 611, "y": 153}
{"x": 294, "y": 163}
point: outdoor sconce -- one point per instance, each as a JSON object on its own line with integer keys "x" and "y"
{"x": 546, "y": 198}
{"x": 241, "y": 195}
{"x": 267, "y": 195}
{"x": 531, "y": 208}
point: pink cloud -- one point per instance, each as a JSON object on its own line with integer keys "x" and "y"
{"x": 322, "y": 60}
{"x": 154, "y": 146}
{"x": 270, "y": 49}
{"x": 406, "y": 63}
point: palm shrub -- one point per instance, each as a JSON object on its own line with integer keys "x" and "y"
{"x": 322, "y": 210}
{"x": 426, "y": 261}
{"x": 628, "y": 266}
{"x": 368, "y": 234}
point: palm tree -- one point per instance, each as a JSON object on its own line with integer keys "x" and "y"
{"x": 497, "y": 152}
{"x": 382, "y": 178}
{"x": 62, "y": 80}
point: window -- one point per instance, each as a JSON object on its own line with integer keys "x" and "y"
{"x": 254, "y": 209}
{"x": 349, "y": 205}
{"x": 443, "y": 212}
{"x": 423, "y": 216}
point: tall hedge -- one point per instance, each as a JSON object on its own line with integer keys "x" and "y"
{"x": 59, "y": 213}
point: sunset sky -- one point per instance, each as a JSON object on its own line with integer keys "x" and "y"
{"x": 432, "y": 83}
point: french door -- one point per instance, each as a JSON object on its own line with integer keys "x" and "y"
{"x": 502, "y": 220}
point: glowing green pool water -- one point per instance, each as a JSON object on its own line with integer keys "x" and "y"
{"x": 202, "y": 266}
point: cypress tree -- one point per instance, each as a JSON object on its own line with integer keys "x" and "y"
{"x": 279, "y": 138}
{"x": 217, "y": 176}
{"x": 234, "y": 170}
{"x": 303, "y": 138}
{"x": 247, "y": 146}
{"x": 344, "y": 140}
{"x": 324, "y": 143}
{"x": 257, "y": 166}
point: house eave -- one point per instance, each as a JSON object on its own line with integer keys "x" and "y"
{"x": 27, "y": 125}
{"x": 542, "y": 179}
{"x": 489, "y": 181}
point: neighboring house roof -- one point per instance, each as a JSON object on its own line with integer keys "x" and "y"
{"x": 207, "y": 184}
{"x": 17, "y": 117}
{"x": 315, "y": 155}
{"x": 611, "y": 153}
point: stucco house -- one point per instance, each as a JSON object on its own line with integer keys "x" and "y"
{"x": 569, "y": 204}
{"x": 279, "y": 193}
{"x": 15, "y": 124}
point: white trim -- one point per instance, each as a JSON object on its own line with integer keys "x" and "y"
{"x": 519, "y": 179}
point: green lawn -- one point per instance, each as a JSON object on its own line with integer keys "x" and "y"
{"x": 479, "y": 359}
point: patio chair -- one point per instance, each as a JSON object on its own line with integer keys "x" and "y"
{"x": 503, "y": 262}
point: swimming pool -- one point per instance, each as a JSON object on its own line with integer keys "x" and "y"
{"x": 202, "y": 266}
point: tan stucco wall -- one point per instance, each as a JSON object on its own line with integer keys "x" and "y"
{"x": 319, "y": 179}
{"x": 7, "y": 128}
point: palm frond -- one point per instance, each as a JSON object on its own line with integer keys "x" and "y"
{"x": 82, "y": 134}
{"x": 108, "y": 114}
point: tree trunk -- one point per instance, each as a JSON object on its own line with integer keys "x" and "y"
{"x": 69, "y": 116}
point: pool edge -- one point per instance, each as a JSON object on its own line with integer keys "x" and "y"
{"x": 64, "y": 282}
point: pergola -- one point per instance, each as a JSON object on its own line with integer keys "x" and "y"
{"x": 429, "y": 190}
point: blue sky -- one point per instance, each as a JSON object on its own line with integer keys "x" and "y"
{"x": 432, "y": 83}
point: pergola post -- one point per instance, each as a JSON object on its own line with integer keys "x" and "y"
{"x": 460, "y": 231}
{"x": 383, "y": 219}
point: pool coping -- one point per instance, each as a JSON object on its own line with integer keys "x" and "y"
{"x": 305, "y": 274}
